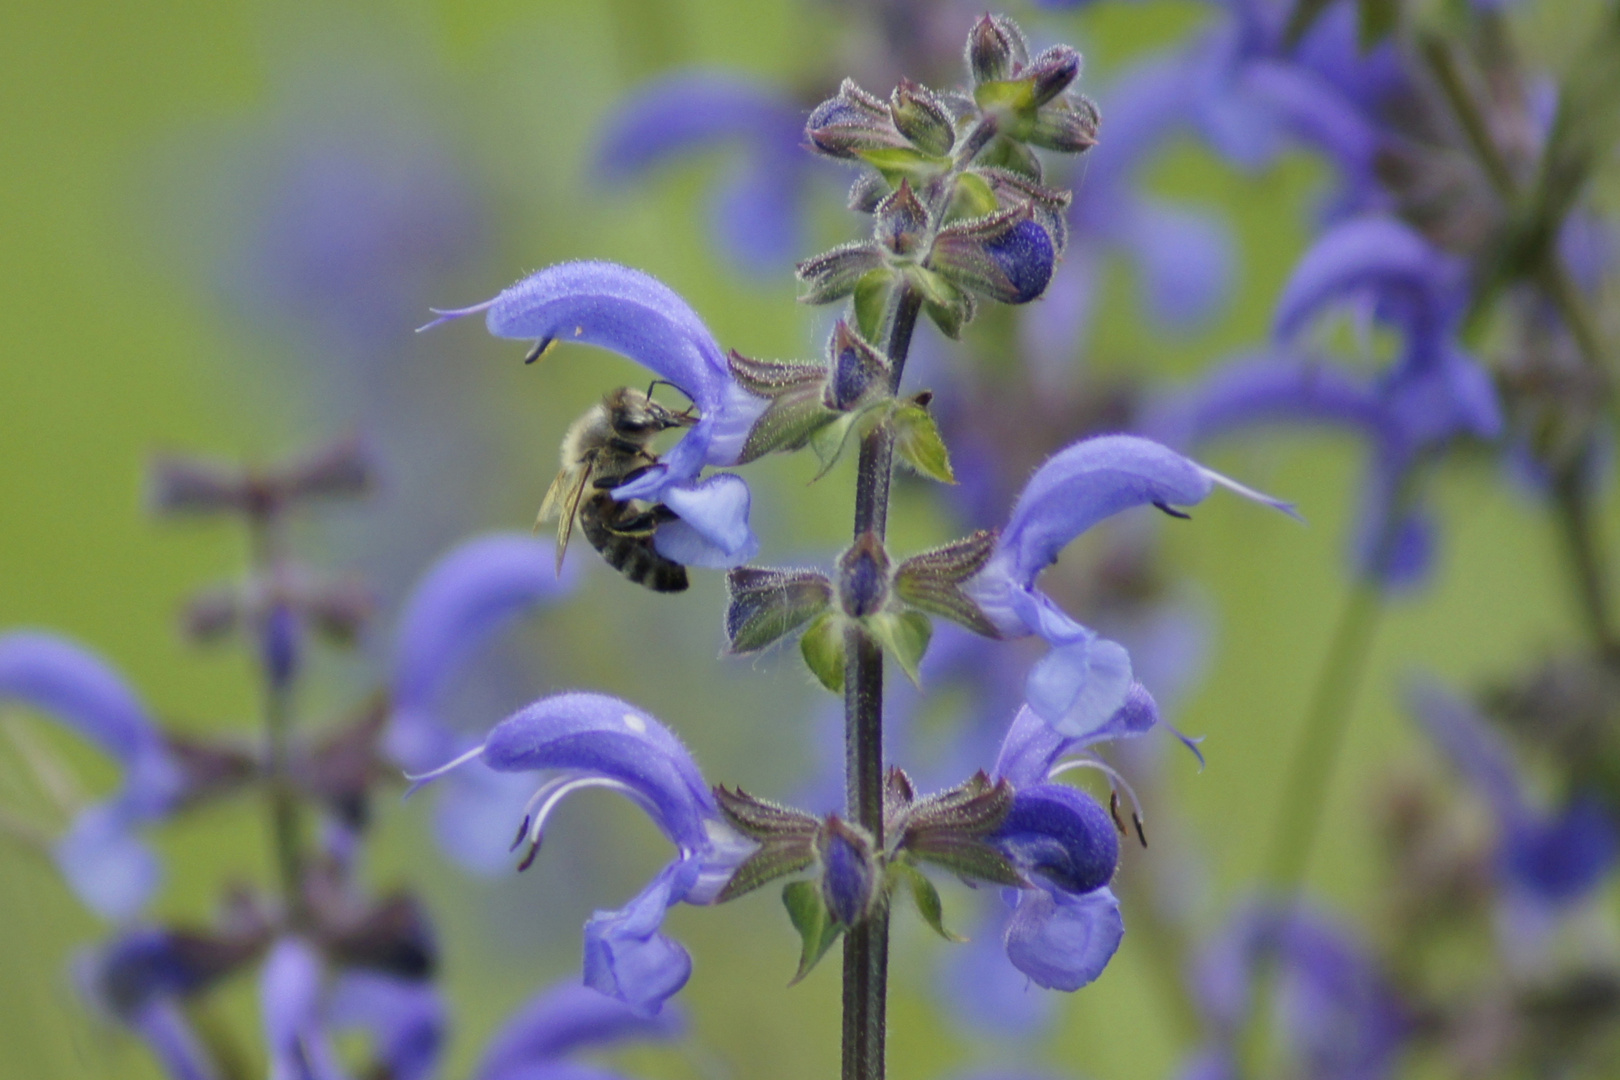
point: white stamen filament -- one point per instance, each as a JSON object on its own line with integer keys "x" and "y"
{"x": 418, "y": 779}
{"x": 556, "y": 790}
{"x": 1108, "y": 771}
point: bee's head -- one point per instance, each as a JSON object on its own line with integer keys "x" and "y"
{"x": 634, "y": 413}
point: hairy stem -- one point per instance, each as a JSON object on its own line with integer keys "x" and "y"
{"x": 866, "y": 947}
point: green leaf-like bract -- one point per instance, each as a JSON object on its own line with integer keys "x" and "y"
{"x": 919, "y": 444}
{"x": 926, "y": 897}
{"x": 817, "y": 930}
{"x": 931, "y": 581}
{"x": 905, "y": 634}
{"x": 767, "y": 605}
{"x": 823, "y": 649}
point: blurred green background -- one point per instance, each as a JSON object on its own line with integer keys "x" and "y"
{"x": 142, "y": 148}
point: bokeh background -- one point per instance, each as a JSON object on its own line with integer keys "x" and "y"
{"x": 221, "y": 223}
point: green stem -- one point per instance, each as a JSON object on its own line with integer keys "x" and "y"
{"x": 1588, "y": 574}
{"x": 286, "y": 830}
{"x": 1311, "y": 771}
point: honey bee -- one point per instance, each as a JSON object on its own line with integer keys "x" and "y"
{"x": 604, "y": 449}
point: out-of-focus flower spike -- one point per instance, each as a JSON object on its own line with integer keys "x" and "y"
{"x": 757, "y": 211}
{"x": 1378, "y": 253}
{"x": 405, "y": 1019}
{"x": 463, "y": 600}
{"x": 104, "y": 861}
{"x": 291, "y": 992}
{"x": 560, "y": 1021}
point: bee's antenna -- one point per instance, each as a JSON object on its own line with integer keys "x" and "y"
{"x": 686, "y": 413}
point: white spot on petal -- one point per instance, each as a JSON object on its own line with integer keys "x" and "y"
{"x": 635, "y": 723}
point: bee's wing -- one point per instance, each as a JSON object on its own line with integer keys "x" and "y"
{"x": 563, "y": 499}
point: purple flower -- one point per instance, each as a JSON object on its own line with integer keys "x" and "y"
{"x": 101, "y": 856}
{"x": 461, "y": 602}
{"x": 1339, "y": 1015}
{"x": 757, "y": 211}
{"x": 591, "y": 740}
{"x": 1546, "y": 859}
{"x": 1083, "y": 681}
{"x": 1061, "y": 933}
{"x": 631, "y": 313}
{"x": 536, "y": 1042}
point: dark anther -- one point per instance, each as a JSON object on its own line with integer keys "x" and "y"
{"x": 539, "y": 349}
{"x": 1113, "y": 812}
{"x": 523, "y": 831}
{"x": 528, "y": 860}
{"x": 1172, "y": 511}
{"x": 1141, "y": 833}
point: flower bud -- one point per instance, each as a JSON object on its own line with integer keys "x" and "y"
{"x": 995, "y": 49}
{"x": 855, "y": 370}
{"x": 1053, "y": 72}
{"x": 901, "y": 221}
{"x": 853, "y": 121}
{"x": 1068, "y": 129}
{"x": 920, "y": 117}
{"x": 848, "y": 871}
{"x": 868, "y": 190}
{"x": 863, "y": 577}
{"x": 1007, "y": 257}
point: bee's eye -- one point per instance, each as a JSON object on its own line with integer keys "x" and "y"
{"x": 632, "y": 425}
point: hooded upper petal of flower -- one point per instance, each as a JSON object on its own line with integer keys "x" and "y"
{"x": 557, "y": 1023}
{"x": 1551, "y": 859}
{"x": 591, "y": 740}
{"x": 107, "y": 865}
{"x": 1084, "y": 680}
{"x": 631, "y": 313}
{"x": 462, "y": 601}
{"x": 757, "y": 211}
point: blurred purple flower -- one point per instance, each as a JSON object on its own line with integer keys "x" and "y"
{"x": 1431, "y": 394}
{"x": 1546, "y": 860}
{"x": 591, "y": 740}
{"x": 557, "y": 1023}
{"x": 635, "y": 315}
{"x": 303, "y": 1004}
{"x": 1340, "y": 1017}
{"x": 1083, "y": 680}
{"x": 101, "y": 856}
{"x": 758, "y": 209}
{"x": 457, "y": 606}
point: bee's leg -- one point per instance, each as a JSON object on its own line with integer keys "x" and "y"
{"x": 603, "y": 483}
{"x": 633, "y": 522}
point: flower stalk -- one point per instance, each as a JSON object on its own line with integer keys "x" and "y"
{"x": 866, "y": 947}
